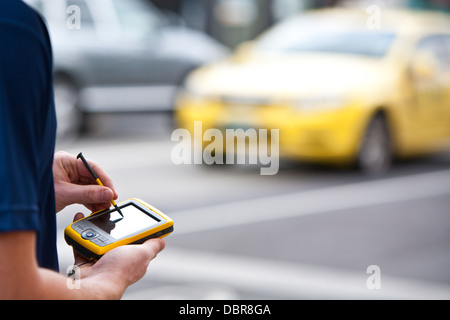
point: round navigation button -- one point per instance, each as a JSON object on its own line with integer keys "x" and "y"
{"x": 89, "y": 234}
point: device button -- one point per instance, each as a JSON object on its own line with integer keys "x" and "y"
{"x": 79, "y": 227}
{"x": 89, "y": 234}
{"x": 99, "y": 242}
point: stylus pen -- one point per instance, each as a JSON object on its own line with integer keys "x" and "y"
{"x": 97, "y": 179}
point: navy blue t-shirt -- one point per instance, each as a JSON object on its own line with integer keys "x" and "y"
{"x": 27, "y": 128}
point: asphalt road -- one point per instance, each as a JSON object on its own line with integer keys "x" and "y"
{"x": 308, "y": 232}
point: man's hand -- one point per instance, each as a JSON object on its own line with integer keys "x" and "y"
{"x": 75, "y": 184}
{"x": 119, "y": 267}
{"x": 122, "y": 266}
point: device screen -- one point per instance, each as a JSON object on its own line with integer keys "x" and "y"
{"x": 133, "y": 221}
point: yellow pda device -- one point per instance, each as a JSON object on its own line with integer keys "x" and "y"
{"x": 104, "y": 230}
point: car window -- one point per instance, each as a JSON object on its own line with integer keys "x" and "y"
{"x": 317, "y": 35}
{"x": 431, "y": 62}
{"x": 136, "y": 17}
{"x": 86, "y": 18}
{"x": 446, "y": 44}
{"x": 435, "y": 47}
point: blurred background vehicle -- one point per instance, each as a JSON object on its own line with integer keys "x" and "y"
{"x": 339, "y": 90}
{"x": 119, "y": 56}
{"x": 234, "y": 21}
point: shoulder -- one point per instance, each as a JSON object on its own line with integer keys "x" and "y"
{"x": 18, "y": 17}
{"x": 17, "y": 12}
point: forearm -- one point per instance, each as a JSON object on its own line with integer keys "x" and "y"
{"x": 55, "y": 286}
{"x": 108, "y": 278}
{"x": 44, "y": 284}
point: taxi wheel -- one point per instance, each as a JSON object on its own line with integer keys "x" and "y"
{"x": 375, "y": 155}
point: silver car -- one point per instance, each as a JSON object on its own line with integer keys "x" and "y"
{"x": 118, "y": 56}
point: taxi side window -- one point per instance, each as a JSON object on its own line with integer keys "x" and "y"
{"x": 446, "y": 44}
{"x": 431, "y": 61}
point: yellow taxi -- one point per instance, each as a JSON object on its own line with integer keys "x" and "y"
{"x": 343, "y": 86}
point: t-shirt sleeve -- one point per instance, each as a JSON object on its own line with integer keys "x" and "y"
{"x": 22, "y": 72}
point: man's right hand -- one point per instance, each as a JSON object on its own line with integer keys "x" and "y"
{"x": 119, "y": 267}
{"x": 124, "y": 265}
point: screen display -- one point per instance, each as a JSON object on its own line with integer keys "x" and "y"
{"x": 134, "y": 220}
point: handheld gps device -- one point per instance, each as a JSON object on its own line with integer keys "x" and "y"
{"x": 104, "y": 230}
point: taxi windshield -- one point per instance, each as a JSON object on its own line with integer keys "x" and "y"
{"x": 309, "y": 35}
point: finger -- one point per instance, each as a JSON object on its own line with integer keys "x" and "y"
{"x": 98, "y": 206}
{"x": 78, "y": 216}
{"x": 154, "y": 246}
{"x": 85, "y": 194}
{"x": 104, "y": 177}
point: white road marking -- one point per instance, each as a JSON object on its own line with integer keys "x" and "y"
{"x": 330, "y": 199}
{"x": 264, "y": 277}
